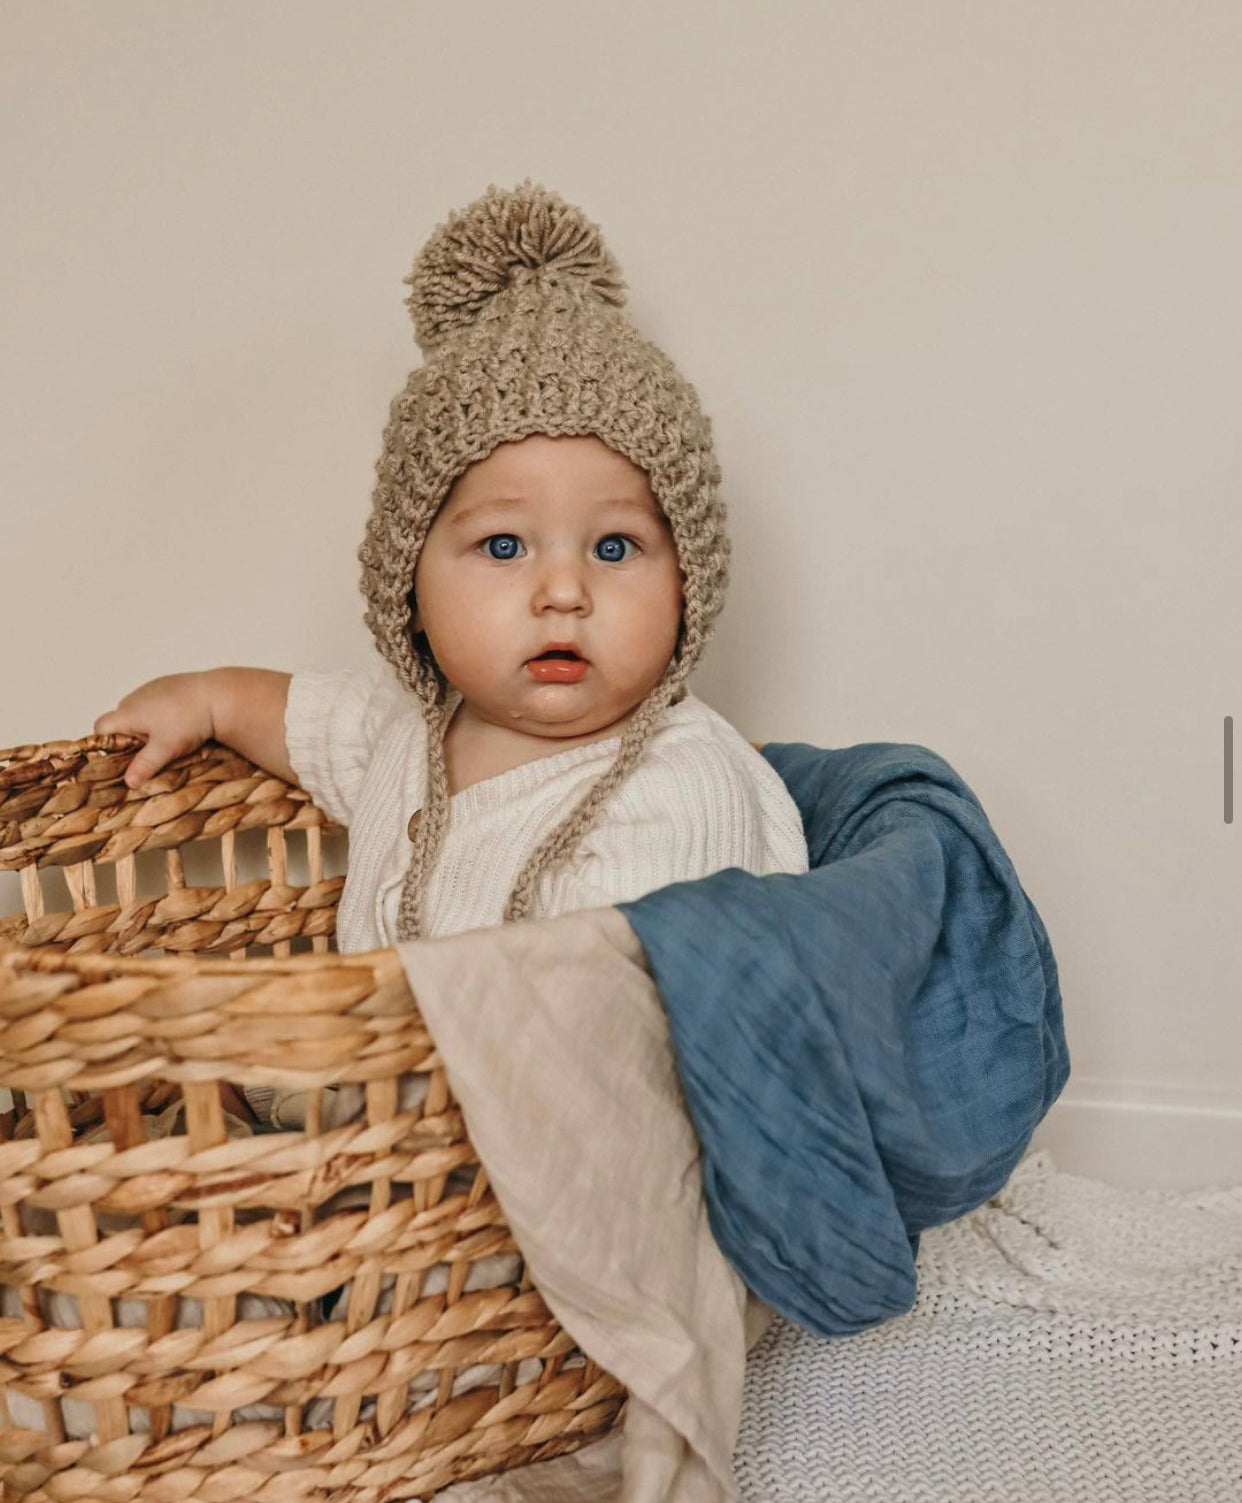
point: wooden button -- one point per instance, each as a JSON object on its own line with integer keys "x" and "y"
{"x": 413, "y": 824}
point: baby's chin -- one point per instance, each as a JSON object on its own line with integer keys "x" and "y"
{"x": 555, "y": 711}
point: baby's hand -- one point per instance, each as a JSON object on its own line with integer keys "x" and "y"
{"x": 174, "y": 713}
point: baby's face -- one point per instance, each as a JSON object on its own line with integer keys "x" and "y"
{"x": 550, "y": 539}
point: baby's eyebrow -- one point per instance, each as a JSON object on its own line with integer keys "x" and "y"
{"x": 499, "y": 503}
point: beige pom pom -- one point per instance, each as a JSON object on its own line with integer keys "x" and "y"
{"x": 503, "y": 237}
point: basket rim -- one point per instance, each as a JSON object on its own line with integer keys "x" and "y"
{"x": 109, "y": 741}
{"x": 49, "y": 958}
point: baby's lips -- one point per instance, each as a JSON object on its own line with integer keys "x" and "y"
{"x": 564, "y": 655}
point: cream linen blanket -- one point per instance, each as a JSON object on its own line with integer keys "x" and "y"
{"x": 556, "y": 1046}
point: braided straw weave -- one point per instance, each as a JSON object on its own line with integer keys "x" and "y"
{"x": 99, "y": 1034}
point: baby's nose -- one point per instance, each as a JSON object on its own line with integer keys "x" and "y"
{"x": 563, "y": 579}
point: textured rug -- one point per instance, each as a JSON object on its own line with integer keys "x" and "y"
{"x": 1071, "y": 1340}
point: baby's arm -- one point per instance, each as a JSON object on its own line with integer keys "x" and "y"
{"x": 242, "y": 707}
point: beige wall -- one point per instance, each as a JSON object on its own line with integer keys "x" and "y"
{"x": 958, "y": 284}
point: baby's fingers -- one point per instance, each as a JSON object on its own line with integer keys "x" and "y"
{"x": 147, "y": 762}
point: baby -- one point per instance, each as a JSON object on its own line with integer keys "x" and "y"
{"x": 543, "y": 565}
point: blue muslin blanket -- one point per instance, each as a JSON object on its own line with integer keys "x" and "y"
{"x": 867, "y": 1048}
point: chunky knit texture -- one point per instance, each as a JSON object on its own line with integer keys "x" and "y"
{"x": 1071, "y": 1340}
{"x": 516, "y": 304}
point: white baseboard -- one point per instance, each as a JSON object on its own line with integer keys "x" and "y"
{"x": 1142, "y": 1135}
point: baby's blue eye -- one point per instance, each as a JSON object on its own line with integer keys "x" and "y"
{"x": 615, "y": 537}
{"x": 502, "y": 537}
{"x": 505, "y": 538}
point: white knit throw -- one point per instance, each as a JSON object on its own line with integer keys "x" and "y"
{"x": 1071, "y": 1340}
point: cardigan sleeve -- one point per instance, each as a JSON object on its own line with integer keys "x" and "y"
{"x": 695, "y": 809}
{"x": 332, "y": 722}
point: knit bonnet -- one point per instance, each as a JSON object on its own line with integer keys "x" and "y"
{"x": 516, "y": 304}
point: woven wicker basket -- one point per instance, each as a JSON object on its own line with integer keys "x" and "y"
{"x": 100, "y": 1033}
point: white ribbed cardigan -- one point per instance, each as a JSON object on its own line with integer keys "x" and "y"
{"x": 701, "y": 799}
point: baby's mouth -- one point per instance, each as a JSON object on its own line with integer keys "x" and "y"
{"x": 557, "y": 667}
